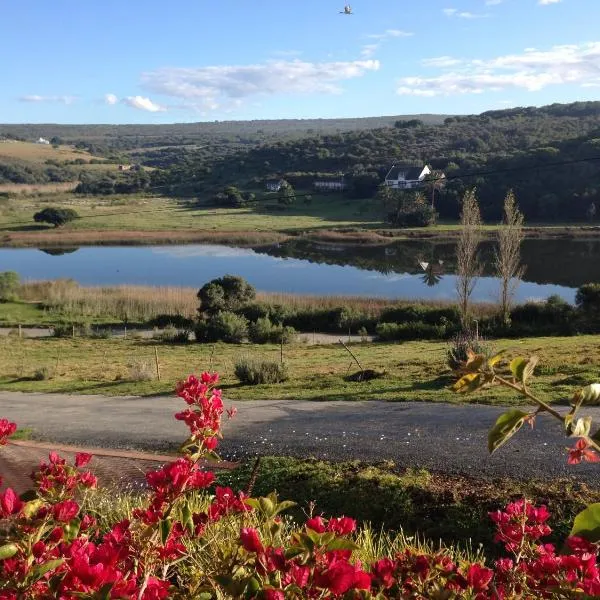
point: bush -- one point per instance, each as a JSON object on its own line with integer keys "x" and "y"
{"x": 588, "y": 304}
{"x": 223, "y": 327}
{"x": 255, "y": 371}
{"x": 228, "y": 293}
{"x": 463, "y": 343}
{"x": 410, "y": 331}
{"x": 55, "y": 216}
{"x": 9, "y": 286}
{"x": 264, "y": 332}
{"x": 179, "y": 321}
{"x": 553, "y": 317}
{"x": 141, "y": 370}
{"x": 43, "y": 374}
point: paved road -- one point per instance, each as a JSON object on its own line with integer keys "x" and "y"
{"x": 440, "y": 437}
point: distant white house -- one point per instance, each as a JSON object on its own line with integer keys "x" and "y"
{"x": 274, "y": 185}
{"x": 406, "y": 177}
{"x": 43, "y": 141}
{"x": 330, "y": 185}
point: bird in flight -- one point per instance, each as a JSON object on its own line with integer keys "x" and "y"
{"x": 347, "y": 10}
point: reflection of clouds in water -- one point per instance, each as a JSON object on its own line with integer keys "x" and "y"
{"x": 391, "y": 278}
{"x": 206, "y": 251}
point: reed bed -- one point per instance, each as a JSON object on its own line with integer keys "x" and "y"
{"x": 141, "y": 304}
{"x": 128, "y": 303}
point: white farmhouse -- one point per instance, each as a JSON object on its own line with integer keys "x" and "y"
{"x": 330, "y": 185}
{"x": 406, "y": 177}
{"x": 274, "y": 185}
{"x": 43, "y": 141}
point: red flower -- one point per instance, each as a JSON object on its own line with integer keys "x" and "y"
{"x": 341, "y": 576}
{"x": 341, "y": 525}
{"x": 251, "y": 540}
{"x": 10, "y": 503}
{"x": 316, "y": 524}
{"x": 6, "y": 430}
{"x": 383, "y": 570}
{"x": 82, "y": 459}
{"x": 581, "y": 451}
{"x": 478, "y": 577}
{"x": 156, "y": 589}
{"x": 272, "y": 594}
{"x": 65, "y": 511}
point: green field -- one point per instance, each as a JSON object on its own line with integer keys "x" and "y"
{"x": 414, "y": 371}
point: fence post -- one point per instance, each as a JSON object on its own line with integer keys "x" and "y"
{"x": 157, "y": 364}
{"x": 20, "y": 331}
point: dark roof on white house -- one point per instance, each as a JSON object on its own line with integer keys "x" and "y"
{"x": 411, "y": 173}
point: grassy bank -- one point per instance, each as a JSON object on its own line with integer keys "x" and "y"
{"x": 414, "y": 371}
{"x": 157, "y": 220}
{"x": 437, "y": 507}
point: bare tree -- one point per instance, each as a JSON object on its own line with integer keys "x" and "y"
{"x": 468, "y": 267}
{"x": 508, "y": 255}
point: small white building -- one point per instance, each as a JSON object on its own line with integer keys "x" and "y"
{"x": 274, "y": 185}
{"x": 43, "y": 141}
{"x": 330, "y": 185}
{"x": 406, "y": 177}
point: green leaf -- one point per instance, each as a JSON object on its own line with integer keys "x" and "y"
{"x": 72, "y": 529}
{"x": 267, "y": 506}
{"x": 252, "y": 503}
{"x": 8, "y": 551}
{"x": 506, "y": 426}
{"x": 587, "y": 524}
{"x": 293, "y": 552}
{"x": 589, "y": 394}
{"x": 40, "y": 570}
{"x": 28, "y": 496}
{"x": 186, "y": 517}
{"x": 530, "y": 368}
{"x": 517, "y": 366}
{"x": 492, "y": 362}
{"x": 104, "y": 592}
{"x": 165, "y": 530}
{"x": 30, "y": 509}
{"x": 341, "y": 544}
{"x": 468, "y": 383}
{"x": 284, "y": 506}
{"x": 252, "y": 587}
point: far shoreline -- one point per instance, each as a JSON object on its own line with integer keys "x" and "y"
{"x": 57, "y": 238}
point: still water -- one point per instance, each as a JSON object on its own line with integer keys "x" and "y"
{"x": 403, "y": 269}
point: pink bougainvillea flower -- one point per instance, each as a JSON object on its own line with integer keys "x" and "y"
{"x": 10, "y": 503}
{"x": 65, "y": 511}
{"x": 82, "y": 459}
{"x": 317, "y": 524}
{"x": 251, "y": 540}
{"x": 7, "y": 428}
{"x": 582, "y": 452}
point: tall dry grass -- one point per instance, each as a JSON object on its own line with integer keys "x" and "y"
{"x": 128, "y": 303}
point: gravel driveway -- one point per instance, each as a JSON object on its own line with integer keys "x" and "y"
{"x": 440, "y": 437}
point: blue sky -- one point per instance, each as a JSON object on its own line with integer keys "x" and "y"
{"x": 108, "y": 61}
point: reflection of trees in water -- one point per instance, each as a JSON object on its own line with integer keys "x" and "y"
{"x": 432, "y": 272}
{"x": 58, "y": 251}
{"x": 562, "y": 262}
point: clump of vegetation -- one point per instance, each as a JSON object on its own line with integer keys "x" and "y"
{"x": 253, "y": 371}
{"x": 43, "y": 374}
{"x": 262, "y": 331}
{"x": 55, "y": 216}
{"x": 9, "y": 286}
{"x": 463, "y": 345}
{"x": 172, "y": 335}
{"x": 224, "y": 326}
{"x": 228, "y": 293}
{"x": 410, "y": 331}
{"x": 141, "y": 370}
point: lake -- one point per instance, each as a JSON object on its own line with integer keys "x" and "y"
{"x": 410, "y": 269}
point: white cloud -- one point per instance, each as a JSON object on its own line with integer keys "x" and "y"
{"x": 206, "y": 88}
{"x": 390, "y": 33}
{"x": 368, "y": 50}
{"x": 454, "y": 12}
{"x": 547, "y": 2}
{"x": 532, "y": 70}
{"x": 110, "y": 99}
{"x": 440, "y": 62}
{"x": 58, "y": 99}
{"x": 142, "y": 103}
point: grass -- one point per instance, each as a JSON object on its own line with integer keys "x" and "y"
{"x": 414, "y": 371}
{"x": 25, "y": 314}
{"x": 447, "y": 508}
{"x": 40, "y": 153}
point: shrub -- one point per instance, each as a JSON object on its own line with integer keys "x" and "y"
{"x": 553, "y": 317}
{"x": 172, "y": 335}
{"x": 9, "y": 286}
{"x": 264, "y": 332}
{"x": 55, "y": 216}
{"x": 410, "y": 331}
{"x": 179, "y": 321}
{"x": 43, "y": 374}
{"x": 228, "y": 293}
{"x": 141, "y": 370}
{"x": 223, "y": 327}
{"x": 255, "y": 371}
{"x": 463, "y": 343}
{"x": 588, "y": 303}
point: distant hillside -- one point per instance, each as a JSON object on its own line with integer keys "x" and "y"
{"x": 147, "y": 136}
{"x": 494, "y": 151}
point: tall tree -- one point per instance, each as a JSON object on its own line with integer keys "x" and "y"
{"x": 508, "y": 255}
{"x": 468, "y": 267}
